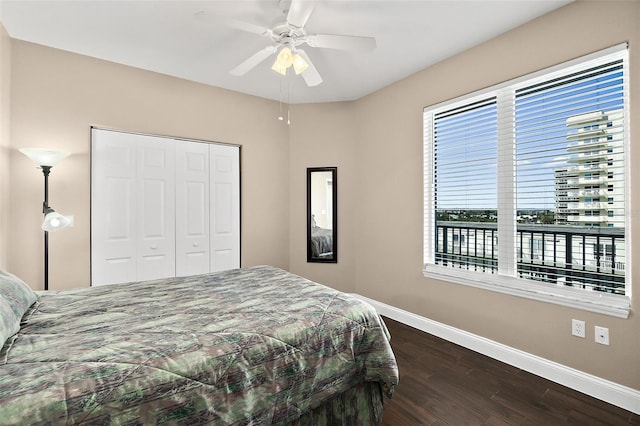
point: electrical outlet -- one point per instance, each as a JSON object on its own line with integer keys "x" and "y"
{"x": 602, "y": 335}
{"x": 578, "y": 328}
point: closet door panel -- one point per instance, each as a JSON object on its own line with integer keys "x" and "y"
{"x": 156, "y": 210}
{"x": 225, "y": 201}
{"x": 192, "y": 208}
{"x": 113, "y": 235}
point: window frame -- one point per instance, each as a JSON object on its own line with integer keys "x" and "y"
{"x": 505, "y": 280}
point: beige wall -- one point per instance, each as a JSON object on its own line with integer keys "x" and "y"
{"x": 56, "y": 96}
{"x": 323, "y": 135}
{"x": 388, "y": 241}
{"x": 5, "y": 96}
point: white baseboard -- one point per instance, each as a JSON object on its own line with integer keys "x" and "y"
{"x": 605, "y": 390}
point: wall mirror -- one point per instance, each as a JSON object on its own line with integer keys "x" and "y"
{"x": 322, "y": 217}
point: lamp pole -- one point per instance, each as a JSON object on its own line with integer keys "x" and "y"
{"x": 45, "y": 171}
{"x": 46, "y": 159}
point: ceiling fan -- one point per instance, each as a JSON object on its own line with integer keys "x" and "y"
{"x": 287, "y": 38}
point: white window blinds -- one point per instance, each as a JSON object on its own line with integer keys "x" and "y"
{"x": 569, "y": 133}
{"x": 527, "y": 179}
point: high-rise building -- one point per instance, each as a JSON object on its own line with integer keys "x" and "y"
{"x": 590, "y": 190}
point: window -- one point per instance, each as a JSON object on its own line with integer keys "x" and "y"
{"x": 514, "y": 163}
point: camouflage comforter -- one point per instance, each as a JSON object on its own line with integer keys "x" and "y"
{"x": 247, "y": 346}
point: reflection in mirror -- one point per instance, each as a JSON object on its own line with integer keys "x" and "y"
{"x": 322, "y": 245}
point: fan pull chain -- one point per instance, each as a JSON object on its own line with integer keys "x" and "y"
{"x": 280, "y": 117}
{"x": 288, "y": 101}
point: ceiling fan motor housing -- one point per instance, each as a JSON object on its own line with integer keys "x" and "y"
{"x": 286, "y": 34}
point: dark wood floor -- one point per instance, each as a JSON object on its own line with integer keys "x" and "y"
{"x": 445, "y": 384}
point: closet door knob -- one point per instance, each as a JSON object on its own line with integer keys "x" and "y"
{"x": 153, "y": 247}
{"x": 196, "y": 244}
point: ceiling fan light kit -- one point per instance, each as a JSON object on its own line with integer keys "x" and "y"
{"x": 286, "y": 58}
{"x": 289, "y": 35}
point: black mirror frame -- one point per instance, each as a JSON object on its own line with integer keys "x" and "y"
{"x": 334, "y": 207}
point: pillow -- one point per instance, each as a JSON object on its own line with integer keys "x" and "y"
{"x": 16, "y": 293}
{"x": 9, "y": 324}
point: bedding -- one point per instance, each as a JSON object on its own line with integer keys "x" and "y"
{"x": 9, "y": 324}
{"x": 15, "y": 298}
{"x": 249, "y": 346}
{"x": 19, "y": 296}
{"x": 321, "y": 242}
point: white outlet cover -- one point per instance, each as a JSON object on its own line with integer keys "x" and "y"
{"x": 578, "y": 328}
{"x": 602, "y": 335}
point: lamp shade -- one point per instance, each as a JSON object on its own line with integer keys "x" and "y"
{"x": 54, "y": 220}
{"x": 45, "y": 157}
{"x": 285, "y": 58}
{"x": 277, "y": 67}
{"x": 299, "y": 64}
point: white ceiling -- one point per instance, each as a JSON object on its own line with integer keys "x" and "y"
{"x": 183, "y": 38}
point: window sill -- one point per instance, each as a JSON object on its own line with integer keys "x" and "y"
{"x": 603, "y": 303}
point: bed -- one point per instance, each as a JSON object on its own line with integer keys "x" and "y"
{"x": 321, "y": 242}
{"x": 249, "y": 346}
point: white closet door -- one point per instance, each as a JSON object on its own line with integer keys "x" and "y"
{"x": 192, "y": 208}
{"x": 225, "y": 205}
{"x": 113, "y": 229}
{"x": 132, "y": 207}
{"x": 156, "y": 208}
{"x": 162, "y": 208}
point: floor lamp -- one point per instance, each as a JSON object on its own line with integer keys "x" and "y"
{"x": 46, "y": 159}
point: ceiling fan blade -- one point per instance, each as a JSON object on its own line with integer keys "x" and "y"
{"x": 246, "y": 26}
{"x": 310, "y": 75}
{"x": 342, "y": 42}
{"x": 254, "y": 60}
{"x": 233, "y": 23}
{"x": 299, "y": 12}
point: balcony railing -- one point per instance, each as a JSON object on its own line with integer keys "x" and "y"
{"x": 591, "y": 205}
{"x": 567, "y": 186}
{"x": 584, "y": 143}
{"x": 591, "y": 192}
{"x": 592, "y": 180}
{"x": 589, "y": 155}
{"x": 591, "y": 167}
{"x": 592, "y": 259}
{"x": 602, "y": 220}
